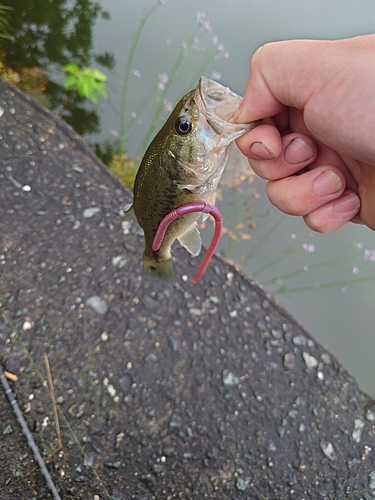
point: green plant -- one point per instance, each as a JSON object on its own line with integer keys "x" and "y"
{"x": 159, "y": 92}
{"x": 4, "y": 22}
{"x": 87, "y": 82}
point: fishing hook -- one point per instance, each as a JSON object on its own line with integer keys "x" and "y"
{"x": 199, "y": 206}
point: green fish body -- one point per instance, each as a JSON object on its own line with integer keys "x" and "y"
{"x": 184, "y": 164}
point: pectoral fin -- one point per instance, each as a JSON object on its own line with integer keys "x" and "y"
{"x": 191, "y": 240}
{"x": 211, "y": 200}
{"x": 129, "y": 209}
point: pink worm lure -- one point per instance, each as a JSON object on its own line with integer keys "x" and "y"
{"x": 199, "y": 206}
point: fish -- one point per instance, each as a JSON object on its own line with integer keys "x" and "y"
{"x": 183, "y": 164}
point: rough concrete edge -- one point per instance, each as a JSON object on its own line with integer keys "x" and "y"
{"x": 65, "y": 128}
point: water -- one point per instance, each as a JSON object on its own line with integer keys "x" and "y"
{"x": 340, "y": 317}
{"x": 278, "y": 251}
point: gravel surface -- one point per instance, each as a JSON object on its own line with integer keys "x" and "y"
{"x": 164, "y": 391}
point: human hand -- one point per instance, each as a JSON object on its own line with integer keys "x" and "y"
{"x": 316, "y": 143}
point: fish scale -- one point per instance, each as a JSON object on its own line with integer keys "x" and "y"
{"x": 183, "y": 165}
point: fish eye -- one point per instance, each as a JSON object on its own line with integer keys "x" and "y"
{"x": 183, "y": 125}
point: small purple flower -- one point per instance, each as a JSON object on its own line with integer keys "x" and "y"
{"x": 200, "y": 18}
{"x": 168, "y": 106}
{"x": 163, "y": 80}
{"x": 208, "y": 27}
{"x": 216, "y": 75}
{"x": 369, "y": 255}
{"x": 137, "y": 73}
{"x": 309, "y": 247}
{"x": 113, "y": 132}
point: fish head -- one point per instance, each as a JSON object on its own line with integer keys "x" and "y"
{"x": 218, "y": 105}
{"x": 202, "y": 126}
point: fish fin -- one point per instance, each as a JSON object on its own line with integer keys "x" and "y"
{"x": 129, "y": 209}
{"x": 191, "y": 240}
{"x": 211, "y": 200}
{"x": 162, "y": 269}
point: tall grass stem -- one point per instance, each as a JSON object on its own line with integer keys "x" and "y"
{"x": 125, "y": 83}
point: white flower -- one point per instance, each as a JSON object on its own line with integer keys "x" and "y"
{"x": 369, "y": 255}
{"x": 216, "y": 75}
{"x": 137, "y": 73}
{"x": 168, "y": 106}
{"x": 163, "y": 80}
{"x": 208, "y": 27}
{"x": 309, "y": 247}
{"x": 200, "y": 18}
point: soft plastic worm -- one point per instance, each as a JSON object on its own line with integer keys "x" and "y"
{"x": 199, "y": 206}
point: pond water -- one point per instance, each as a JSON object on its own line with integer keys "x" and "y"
{"x": 323, "y": 277}
{"x": 341, "y": 316}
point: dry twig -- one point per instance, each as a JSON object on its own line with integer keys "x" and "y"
{"x": 28, "y": 435}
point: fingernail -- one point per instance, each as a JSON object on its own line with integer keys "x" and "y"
{"x": 348, "y": 203}
{"x": 328, "y": 182}
{"x": 259, "y": 150}
{"x": 297, "y": 151}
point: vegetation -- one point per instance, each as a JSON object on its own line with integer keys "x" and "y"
{"x": 46, "y": 34}
{"x": 4, "y": 22}
{"x": 88, "y": 82}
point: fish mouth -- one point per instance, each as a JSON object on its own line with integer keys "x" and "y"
{"x": 219, "y": 105}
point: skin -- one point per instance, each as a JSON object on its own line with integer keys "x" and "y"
{"x": 316, "y": 143}
{"x": 183, "y": 167}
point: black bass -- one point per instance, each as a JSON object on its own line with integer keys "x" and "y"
{"x": 184, "y": 164}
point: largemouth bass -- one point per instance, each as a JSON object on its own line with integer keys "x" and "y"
{"x": 184, "y": 164}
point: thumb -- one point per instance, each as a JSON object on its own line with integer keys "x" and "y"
{"x": 286, "y": 73}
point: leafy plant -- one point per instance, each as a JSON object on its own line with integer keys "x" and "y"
{"x": 124, "y": 169}
{"x": 48, "y": 35}
{"x": 88, "y": 82}
{"x": 4, "y": 22}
